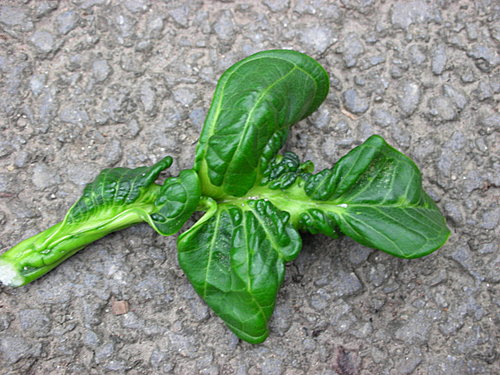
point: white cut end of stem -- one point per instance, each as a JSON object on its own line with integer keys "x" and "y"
{"x": 9, "y": 275}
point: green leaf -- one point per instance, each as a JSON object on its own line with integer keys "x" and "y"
{"x": 114, "y": 188}
{"x": 166, "y": 208}
{"x": 283, "y": 171}
{"x": 235, "y": 261}
{"x": 374, "y": 195}
{"x": 255, "y": 103}
{"x": 176, "y": 202}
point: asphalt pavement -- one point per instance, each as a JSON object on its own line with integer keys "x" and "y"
{"x": 92, "y": 84}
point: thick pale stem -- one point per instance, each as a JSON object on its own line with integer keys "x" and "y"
{"x": 39, "y": 254}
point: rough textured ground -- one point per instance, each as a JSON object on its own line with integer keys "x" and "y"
{"x": 89, "y": 84}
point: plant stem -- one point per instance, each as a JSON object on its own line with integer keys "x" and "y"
{"x": 39, "y": 254}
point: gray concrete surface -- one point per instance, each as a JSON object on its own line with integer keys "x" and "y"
{"x": 89, "y": 84}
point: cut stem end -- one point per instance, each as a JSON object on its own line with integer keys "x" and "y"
{"x": 9, "y": 275}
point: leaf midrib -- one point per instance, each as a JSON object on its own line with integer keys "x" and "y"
{"x": 246, "y": 128}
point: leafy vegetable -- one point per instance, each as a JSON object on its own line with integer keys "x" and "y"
{"x": 373, "y": 194}
{"x": 255, "y": 201}
{"x": 255, "y": 103}
{"x": 116, "y": 199}
{"x": 378, "y": 201}
{"x": 235, "y": 261}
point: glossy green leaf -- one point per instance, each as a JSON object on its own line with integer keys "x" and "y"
{"x": 374, "y": 195}
{"x": 176, "y": 202}
{"x": 114, "y": 188}
{"x": 255, "y": 103}
{"x": 235, "y": 261}
{"x": 284, "y": 170}
{"x": 116, "y": 191}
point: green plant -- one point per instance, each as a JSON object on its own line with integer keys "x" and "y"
{"x": 255, "y": 201}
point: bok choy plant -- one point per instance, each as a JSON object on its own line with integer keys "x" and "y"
{"x": 256, "y": 201}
